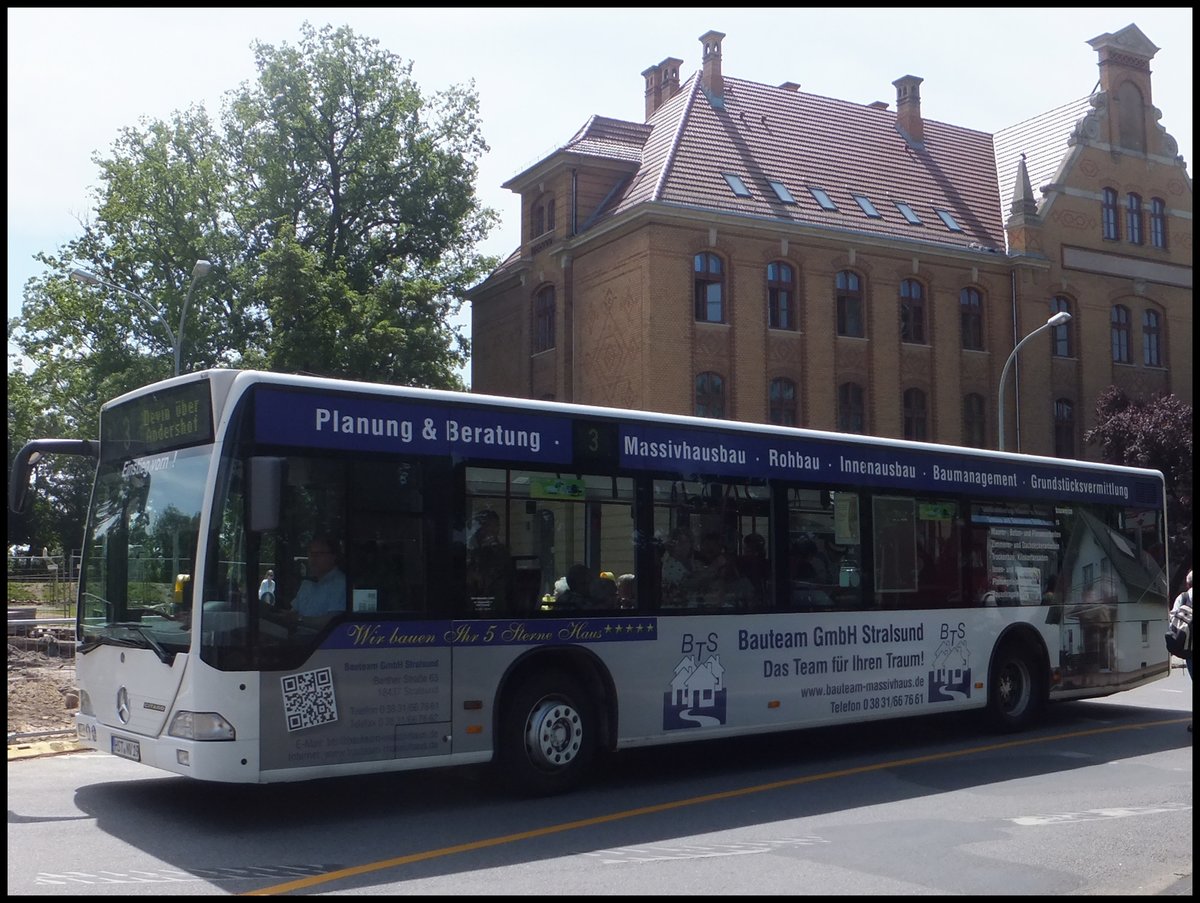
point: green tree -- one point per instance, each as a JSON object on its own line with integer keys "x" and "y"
{"x": 354, "y": 188}
{"x": 1156, "y": 433}
{"x": 337, "y": 204}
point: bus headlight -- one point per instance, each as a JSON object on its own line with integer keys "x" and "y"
{"x": 201, "y": 726}
{"x": 85, "y": 703}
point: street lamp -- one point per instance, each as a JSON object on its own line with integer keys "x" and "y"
{"x": 1057, "y": 320}
{"x": 198, "y": 272}
{"x": 88, "y": 278}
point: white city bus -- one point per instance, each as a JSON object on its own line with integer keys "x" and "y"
{"x": 830, "y": 579}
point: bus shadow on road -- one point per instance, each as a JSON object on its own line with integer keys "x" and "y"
{"x": 327, "y": 825}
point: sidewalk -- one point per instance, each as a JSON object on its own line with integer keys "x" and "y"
{"x": 35, "y": 748}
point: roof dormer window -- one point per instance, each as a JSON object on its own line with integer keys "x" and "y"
{"x": 949, "y": 220}
{"x": 867, "y": 207}
{"x": 823, "y": 199}
{"x": 738, "y": 186}
{"x": 781, "y": 192}
{"x": 908, "y": 213}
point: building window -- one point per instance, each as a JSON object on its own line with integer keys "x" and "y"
{"x": 915, "y": 417}
{"x": 970, "y": 308}
{"x": 912, "y": 311}
{"x": 1133, "y": 218}
{"x": 781, "y": 296}
{"x": 849, "y": 304}
{"x": 710, "y": 395}
{"x": 710, "y": 288}
{"x": 1060, "y": 336}
{"x": 852, "y": 410}
{"x": 543, "y": 320}
{"x": 974, "y": 424}
{"x": 1109, "y": 216}
{"x": 543, "y": 217}
{"x": 1064, "y": 428}
{"x": 1151, "y": 350}
{"x": 782, "y": 402}
{"x": 1158, "y": 223}
{"x": 1120, "y": 334}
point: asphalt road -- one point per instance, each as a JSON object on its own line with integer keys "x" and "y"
{"x": 1097, "y": 800}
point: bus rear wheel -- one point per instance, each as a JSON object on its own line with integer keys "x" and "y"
{"x": 1016, "y": 694}
{"x": 547, "y": 736}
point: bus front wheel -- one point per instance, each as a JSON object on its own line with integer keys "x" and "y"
{"x": 1016, "y": 694}
{"x": 548, "y": 735}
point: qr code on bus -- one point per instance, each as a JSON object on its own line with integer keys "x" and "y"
{"x": 308, "y": 699}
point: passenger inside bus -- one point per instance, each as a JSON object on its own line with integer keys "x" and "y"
{"x": 679, "y": 578}
{"x": 754, "y": 565}
{"x": 604, "y": 590}
{"x": 578, "y": 593}
{"x": 489, "y": 563}
{"x": 627, "y": 592}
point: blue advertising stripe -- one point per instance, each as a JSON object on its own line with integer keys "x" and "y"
{"x": 807, "y": 460}
{"x": 374, "y": 635}
{"x": 379, "y": 424}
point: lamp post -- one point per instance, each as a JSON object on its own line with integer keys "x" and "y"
{"x": 1057, "y": 320}
{"x": 89, "y": 278}
{"x": 198, "y": 272}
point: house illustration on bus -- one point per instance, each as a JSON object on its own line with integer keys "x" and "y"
{"x": 696, "y": 697}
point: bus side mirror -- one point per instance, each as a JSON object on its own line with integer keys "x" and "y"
{"x": 266, "y": 492}
{"x": 33, "y": 452}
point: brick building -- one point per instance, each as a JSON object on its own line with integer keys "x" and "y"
{"x": 759, "y": 253}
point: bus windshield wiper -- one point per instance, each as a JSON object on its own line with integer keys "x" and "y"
{"x": 102, "y": 640}
{"x": 150, "y": 642}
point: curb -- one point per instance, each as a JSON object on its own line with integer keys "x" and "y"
{"x": 37, "y": 749}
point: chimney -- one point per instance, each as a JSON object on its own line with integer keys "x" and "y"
{"x": 908, "y": 108}
{"x": 668, "y": 75}
{"x": 710, "y": 78}
{"x": 653, "y": 91}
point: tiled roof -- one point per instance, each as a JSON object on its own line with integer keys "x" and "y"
{"x": 614, "y": 139}
{"x": 1043, "y": 141}
{"x": 765, "y": 134}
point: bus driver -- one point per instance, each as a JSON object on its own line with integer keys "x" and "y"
{"x": 323, "y": 591}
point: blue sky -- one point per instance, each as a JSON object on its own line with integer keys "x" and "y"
{"x": 76, "y": 77}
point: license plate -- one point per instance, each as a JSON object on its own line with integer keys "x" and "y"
{"x": 127, "y": 749}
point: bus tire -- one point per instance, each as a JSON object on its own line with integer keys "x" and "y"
{"x": 1016, "y": 692}
{"x": 548, "y": 734}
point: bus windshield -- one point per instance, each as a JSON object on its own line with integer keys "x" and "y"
{"x": 141, "y": 550}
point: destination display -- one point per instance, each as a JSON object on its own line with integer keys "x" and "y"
{"x": 166, "y": 419}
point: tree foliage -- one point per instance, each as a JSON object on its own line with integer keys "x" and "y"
{"x": 1155, "y": 433}
{"x": 337, "y": 205}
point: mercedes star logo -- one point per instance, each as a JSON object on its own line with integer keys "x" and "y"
{"x": 123, "y": 705}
